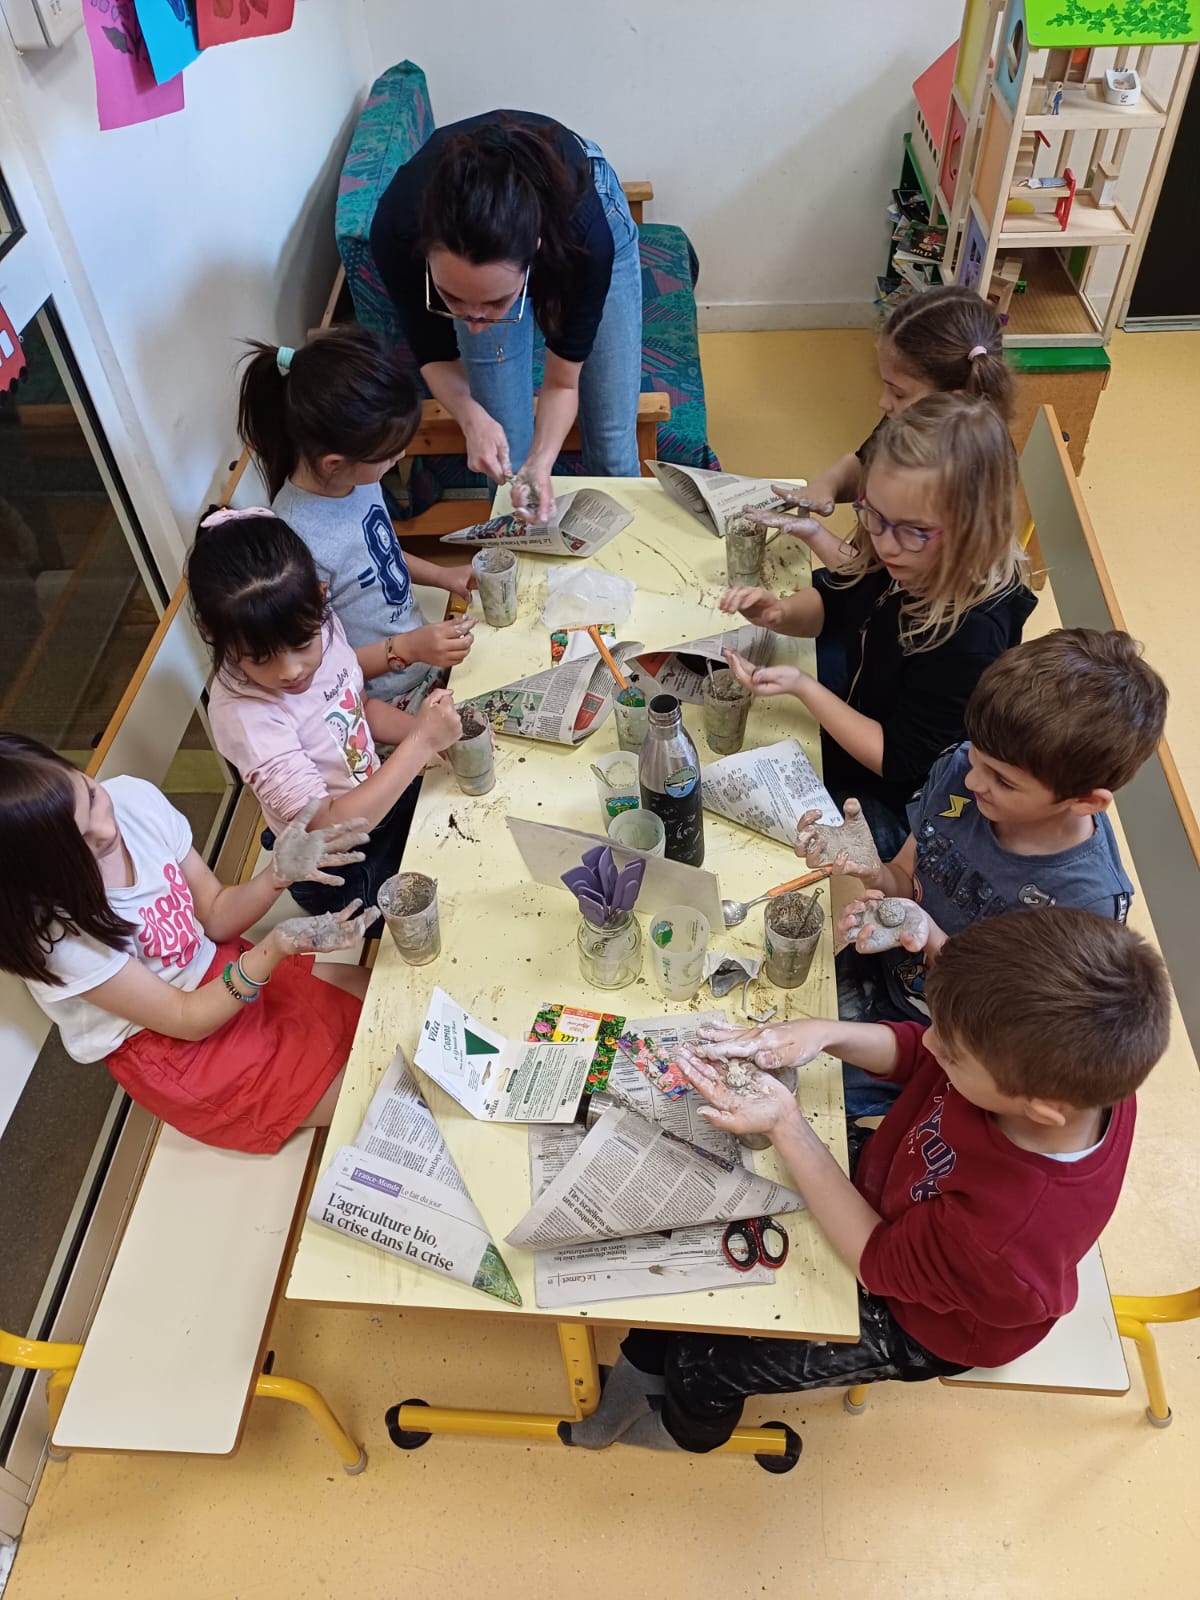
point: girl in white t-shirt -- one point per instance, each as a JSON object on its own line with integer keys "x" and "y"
{"x": 131, "y": 945}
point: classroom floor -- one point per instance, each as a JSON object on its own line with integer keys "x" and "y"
{"x": 931, "y": 1494}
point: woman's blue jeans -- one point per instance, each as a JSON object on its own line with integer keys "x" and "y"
{"x": 499, "y": 361}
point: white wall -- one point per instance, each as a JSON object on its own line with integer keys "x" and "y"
{"x": 771, "y": 129}
{"x": 205, "y": 226}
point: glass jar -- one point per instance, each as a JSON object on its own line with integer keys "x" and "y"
{"x": 610, "y": 956}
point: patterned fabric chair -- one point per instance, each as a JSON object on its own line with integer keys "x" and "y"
{"x": 395, "y": 122}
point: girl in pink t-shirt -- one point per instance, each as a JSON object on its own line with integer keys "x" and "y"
{"x": 130, "y": 945}
{"x": 288, "y": 706}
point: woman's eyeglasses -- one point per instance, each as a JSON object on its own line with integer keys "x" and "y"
{"x": 905, "y": 535}
{"x": 454, "y": 316}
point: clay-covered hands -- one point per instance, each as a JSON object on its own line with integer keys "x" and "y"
{"x": 342, "y": 930}
{"x": 438, "y": 644}
{"x": 532, "y": 495}
{"x": 772, "y": 1046}
{"x": 438, "y": 723}
{"x": 460, "y": 580}
{"x": 487, "y": 447}
{"x": 759, "y": 606}
{"x": 880, "y": 922}
{"x": 300, "y": 852}
{"x": 766, "y": 681}
{"x": 800, "y": 520}
{"x": 760, "y": 1106}
{"x": 847, "y": 846}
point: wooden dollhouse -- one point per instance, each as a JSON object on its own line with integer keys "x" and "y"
{"x": 1058, "y": 127}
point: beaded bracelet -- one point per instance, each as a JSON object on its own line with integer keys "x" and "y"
{"x": 227, "y": 980}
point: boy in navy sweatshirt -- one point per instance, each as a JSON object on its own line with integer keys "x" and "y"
{"x": 987, "y": 1182}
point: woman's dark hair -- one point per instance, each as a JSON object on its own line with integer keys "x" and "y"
{"x": 934, "y": 333}
{"x": 341, "y": 394}
{"x": 497, "y": 190}
{"x": 51, "y": 884}
{"x": 254, "y": 587}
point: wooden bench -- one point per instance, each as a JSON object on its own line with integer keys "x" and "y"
{"x": 175, "y": 1351}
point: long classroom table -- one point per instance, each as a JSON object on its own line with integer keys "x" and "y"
{"x": 508, "y": 948}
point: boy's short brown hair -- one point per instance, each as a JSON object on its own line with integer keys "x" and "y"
{"x": 1077, "y": 709}
{"x": 1057, "y": 1004}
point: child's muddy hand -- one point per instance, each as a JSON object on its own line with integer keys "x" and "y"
{"x": 763, "y": 1105}
{"x": 758, "y": 606}
{"x": 341, "y": 930}
{"x": 437, "y": 720}
{"x": 302, "y": 852}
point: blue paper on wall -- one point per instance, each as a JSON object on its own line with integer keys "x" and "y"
{"x": 169, "y": 29}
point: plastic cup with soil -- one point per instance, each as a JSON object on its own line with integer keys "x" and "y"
{"x": 726, "y": 707}
{"x": 496, "y": 573}
{"x": 410, "y": 909}
{"x": 745, "y": 552}
{"x": 473, "y": 758}
{"x": 793, "y": 924}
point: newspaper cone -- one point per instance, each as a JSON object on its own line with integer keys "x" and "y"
{"x": 768, "y": 790}
{"x": 585, "y": 521}
{"x": 399, "y": 1190}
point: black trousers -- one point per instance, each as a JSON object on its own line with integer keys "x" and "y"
{"x": 381, "y": 858}
{"x": 709, "y": 1376}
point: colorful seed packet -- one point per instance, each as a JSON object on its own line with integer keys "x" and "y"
{"x": 656, "y": 1061}
{"x": 560, "y": 1024}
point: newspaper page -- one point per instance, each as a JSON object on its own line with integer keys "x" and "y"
{"x": 767, "y": 790}
{"x": 563, "y": 704}
{"x": 497, "y": 1079}
{"x": 632, "y": 1177}
{"x": 397, "y": 1188}
{"x": 682, "y": 669}
{"x": 584, "y": 521}
{"x": 714, "y": 498}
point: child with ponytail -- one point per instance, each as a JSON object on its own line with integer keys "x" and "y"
{"x": 324, "y": 423}
{"x": 288, "y": 705}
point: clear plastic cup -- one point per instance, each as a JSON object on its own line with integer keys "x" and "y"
{"x": 726, "y": 707}
{"x": 631, "y": 715}
{"x": 678, "y": 942}
{"x": 639, "y": 830}
{"x": 793, "y": 924}
{"x": 473, "y": 758}
{"x": 617, "y": 787}
{"x": 410, "y": 909}
{"x": 496, "y": 573}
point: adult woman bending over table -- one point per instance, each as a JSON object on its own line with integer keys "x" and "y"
{"x": 498, "y": 222}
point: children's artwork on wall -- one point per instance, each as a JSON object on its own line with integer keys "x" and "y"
{"x": 970, "y": 267}
{"x": 226, "y": 21}
{"x": 169, "y": 29}
{"x": 125, "y": 88}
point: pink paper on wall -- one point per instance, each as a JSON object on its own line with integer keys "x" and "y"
{"x": 125, "y": 88}
{"x": 224, "y": 21}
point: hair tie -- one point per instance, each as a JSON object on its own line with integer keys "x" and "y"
{"x": 214, "y": 519}
{"x": 976, "y": 351}
{"x": 283, "y": 359}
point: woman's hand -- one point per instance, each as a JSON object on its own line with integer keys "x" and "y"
{"x": 459, "y": 580}
{"x": 487, "y": 447}
{"x": 766, "y": 681}
{"x": 438, "y": 644}
{"x": 438, "y": 723}
{"x": 342, "y": 930}
{"x": 763, "y": 1107}
{"x": 771, "y": 1046}
{"x": 758, "y": 606}
{"x": 532, "y": 494}
{"x": 300, "y": 852}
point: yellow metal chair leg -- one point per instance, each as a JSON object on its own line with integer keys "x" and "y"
{"x": 57, "y": 1385}
{"x": 1158, "y": 1411}
{"x": 353, "y": 1457}
{"x": 578, "y": 1345}
{"x": 855, "y": 1400}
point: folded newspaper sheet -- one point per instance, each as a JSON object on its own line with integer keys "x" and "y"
{"x": 682, "y": 669}
{"x": 714, "y": 498}
{"x": 497, "y": 1079}
{"x": 562, "y": 704}
{"x": 397, "y": 1188}
{"x": 630, "y": 1176}
{"x": 584, "y": 521}
{"x": 768, "y": 790}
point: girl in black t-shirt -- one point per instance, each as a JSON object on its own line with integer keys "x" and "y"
{"x": 931, "y": 596}
{"x": 498, "y": 222}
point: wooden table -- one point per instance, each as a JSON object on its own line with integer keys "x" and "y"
{"x": 508, "y": 947}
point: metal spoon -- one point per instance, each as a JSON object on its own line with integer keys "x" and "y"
{"x": 735, "y": 912}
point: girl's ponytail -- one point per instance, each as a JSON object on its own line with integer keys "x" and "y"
{"x": 952, "y": 340}
{"x": 502, "y": 192}
{"x": 342, "y": 394}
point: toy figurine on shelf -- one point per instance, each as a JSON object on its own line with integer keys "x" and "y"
{"x": 1052, "y": 98}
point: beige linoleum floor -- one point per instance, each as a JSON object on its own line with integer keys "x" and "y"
{"x": 930, "y": 1494}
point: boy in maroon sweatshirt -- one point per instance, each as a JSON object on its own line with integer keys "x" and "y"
{"x": 971, "y": 1206}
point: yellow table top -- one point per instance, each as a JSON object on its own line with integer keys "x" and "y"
{"x": 508, "y": 947}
